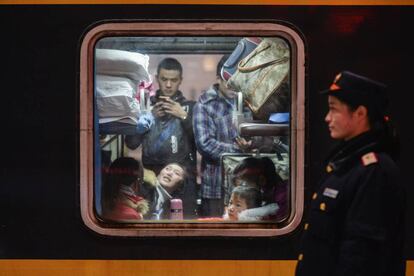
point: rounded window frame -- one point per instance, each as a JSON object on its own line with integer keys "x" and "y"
{"x": 86, "y": 133}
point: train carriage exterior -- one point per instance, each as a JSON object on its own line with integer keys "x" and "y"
{"x": 42, "y": 227}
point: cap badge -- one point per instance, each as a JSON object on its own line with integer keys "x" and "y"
{"x": 334, "y": 86}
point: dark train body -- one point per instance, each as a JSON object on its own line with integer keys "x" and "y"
{"x": 40, "y": 158}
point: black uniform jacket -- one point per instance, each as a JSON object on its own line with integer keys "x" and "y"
{"x": 356, "y": 218}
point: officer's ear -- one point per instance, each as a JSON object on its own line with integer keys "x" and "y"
{"x": 361, "y": 111}
{"x": 361, "y": 114}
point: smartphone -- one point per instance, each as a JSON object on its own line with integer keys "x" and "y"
{"x": 163, "y": 98}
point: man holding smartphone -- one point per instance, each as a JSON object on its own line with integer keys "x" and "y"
{"x": 170, "y": 139}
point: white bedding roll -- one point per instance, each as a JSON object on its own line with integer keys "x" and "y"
{"x": 116, "y": 99}
{"x": 122, "y": 63}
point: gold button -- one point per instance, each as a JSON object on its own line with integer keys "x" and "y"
{"x": 300, "y": 258}
{"x": 314, "y": 196}
{"x": 322, "y": 206}
{"x": 306, "y": 226}
{"x": 328, "y": 169}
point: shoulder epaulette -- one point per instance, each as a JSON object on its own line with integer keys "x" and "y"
{"x": 369, "y": 158}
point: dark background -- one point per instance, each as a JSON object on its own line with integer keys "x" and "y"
{"x": 39, "y": 108}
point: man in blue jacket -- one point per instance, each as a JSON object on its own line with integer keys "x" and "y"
{"x": 170, "y": 138}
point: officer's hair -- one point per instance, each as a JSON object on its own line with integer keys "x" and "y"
{"x": 381, "y": 124}
{"x": 374, "y": 115}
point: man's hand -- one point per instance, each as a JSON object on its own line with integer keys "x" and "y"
{"x": 168, "y": 106}
{"x": 158, "y": 110}
{"x": 243, "y": 144}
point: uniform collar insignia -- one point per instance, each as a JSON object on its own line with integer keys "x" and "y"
{"x": 369, "y": 158}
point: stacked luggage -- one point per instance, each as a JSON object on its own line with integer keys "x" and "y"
{"x": 118, "y": 75}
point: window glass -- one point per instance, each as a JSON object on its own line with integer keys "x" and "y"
{"x": 146, "y": 91}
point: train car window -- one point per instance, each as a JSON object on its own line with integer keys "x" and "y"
{"x": 192, "y": 129}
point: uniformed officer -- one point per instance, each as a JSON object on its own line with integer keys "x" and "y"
{"x": 356, "y": 218}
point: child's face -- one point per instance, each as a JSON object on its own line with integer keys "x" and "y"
{"x": 236, "y": 205}
{"x": 170, "y": 176}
